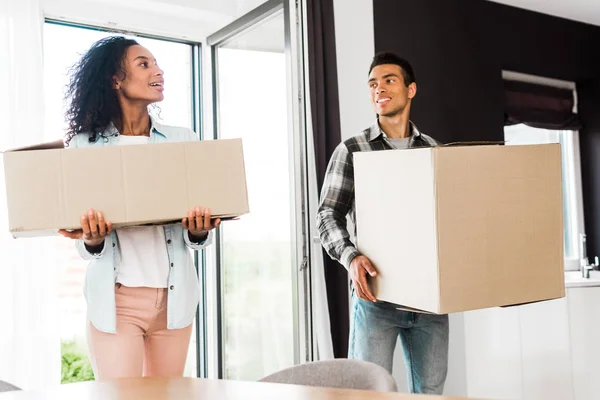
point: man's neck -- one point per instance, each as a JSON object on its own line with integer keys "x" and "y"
{"x": 136, "y": 121}
{"x": 395, "y": 127}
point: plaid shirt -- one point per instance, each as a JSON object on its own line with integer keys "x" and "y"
{"x": 337, "y": 194}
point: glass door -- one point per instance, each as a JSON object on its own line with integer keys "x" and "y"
{"x": 260, "y": 257}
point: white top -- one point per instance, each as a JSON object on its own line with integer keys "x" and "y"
{"x": 399, "y": 143}
{"x": 126, "y": 139}
{"x": 142, "y": 259}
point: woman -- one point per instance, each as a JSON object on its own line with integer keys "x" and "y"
{"x": 141, "y": 286}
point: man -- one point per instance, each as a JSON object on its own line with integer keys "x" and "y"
{"x": 376, "y": 325}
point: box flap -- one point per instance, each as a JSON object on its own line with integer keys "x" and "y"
{"x": 57, "y": 144}
{"x": 533, "y": 302}
{"x": 474, "y": 143}
{"x": 414, "y": 281}
{"x": 494, "y": 198}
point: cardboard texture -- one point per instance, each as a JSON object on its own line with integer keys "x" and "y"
{"x": 49, "y": 188}
{"x": 459, "y": 228}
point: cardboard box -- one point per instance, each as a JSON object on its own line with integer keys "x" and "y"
{"x": 451, "y": 229}
{"x": 49, "y": 187}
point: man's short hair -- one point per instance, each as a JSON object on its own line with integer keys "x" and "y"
{"x": 387, "y": 57}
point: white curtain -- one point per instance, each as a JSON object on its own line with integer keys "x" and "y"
{"x": 29, "y": 339}
{"x": 320, "y": 308}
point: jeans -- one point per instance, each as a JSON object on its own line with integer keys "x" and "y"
{"x": 374, "y": 330}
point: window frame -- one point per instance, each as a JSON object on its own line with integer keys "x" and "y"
{"x": 578, "y": 225}
{"x": 574, "y": 264}
{"x": 301, "y": 279}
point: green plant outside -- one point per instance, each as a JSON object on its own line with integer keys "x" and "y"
{"x": 76, "y": 365}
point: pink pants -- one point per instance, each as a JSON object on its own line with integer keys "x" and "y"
{"x": 143, "y": 346}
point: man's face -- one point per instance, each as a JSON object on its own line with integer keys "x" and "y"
{"x": 389, "y": 94}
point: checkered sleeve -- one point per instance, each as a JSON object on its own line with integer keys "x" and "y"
{"x": 337, "y": 197}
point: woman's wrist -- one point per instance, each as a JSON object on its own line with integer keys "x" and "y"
{"x": 94, "y": 242}
{"x": 197, "y": 237}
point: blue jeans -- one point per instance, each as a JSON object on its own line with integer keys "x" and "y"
{"x": 375, "y": 328}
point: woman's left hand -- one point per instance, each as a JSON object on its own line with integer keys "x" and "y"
{"x": 199, "y": 223}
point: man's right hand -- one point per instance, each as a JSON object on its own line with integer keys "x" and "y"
{"x": 359, "y": 268}
{"x": 94, "y": 229}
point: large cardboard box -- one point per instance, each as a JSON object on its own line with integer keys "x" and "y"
{"x": 459, "y": 228}
{"x": 49, "y": 187}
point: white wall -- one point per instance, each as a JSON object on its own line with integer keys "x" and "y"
{"x": 355, "y": 47}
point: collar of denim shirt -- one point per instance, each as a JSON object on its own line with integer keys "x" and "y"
{"x": 155, "y": 129}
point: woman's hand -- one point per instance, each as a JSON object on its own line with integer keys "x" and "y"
{"x": 199, "y": 223}
{"x": 94, "y": 229}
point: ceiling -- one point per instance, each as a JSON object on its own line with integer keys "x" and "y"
{"x": 587, "y": 11}
{"x": 197, "y": 19}
{"x": 579, "y": 10}
{"x": 186, "y": 19}
{"x": 232, "y": 8}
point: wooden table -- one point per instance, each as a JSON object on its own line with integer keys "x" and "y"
{"x": 199, "y": 389}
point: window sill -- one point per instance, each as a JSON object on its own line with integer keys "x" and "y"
{"x": 573, "y": 279}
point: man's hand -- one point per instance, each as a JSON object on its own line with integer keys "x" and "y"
{"x": 359, "y": 267}
{"x": 93, "y": 229}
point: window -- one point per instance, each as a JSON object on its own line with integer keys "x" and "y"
{"x": 571, "y": 170}
{"x": 63, "y": 45}
{"x": 258, "y": 253}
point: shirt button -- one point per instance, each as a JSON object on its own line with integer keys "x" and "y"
{"x": 171, "y": 265}
{"x": 169, "y": 241}
{"x": 114, "y": 245}
{"x": 172, "y": 287}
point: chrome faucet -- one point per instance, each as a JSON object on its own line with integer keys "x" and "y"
{"x": 584, "y": 263}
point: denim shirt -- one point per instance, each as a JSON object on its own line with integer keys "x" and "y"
{"x": 183, "y": 286}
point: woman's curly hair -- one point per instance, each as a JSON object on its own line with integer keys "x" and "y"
{"x": 94, "y": 104}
